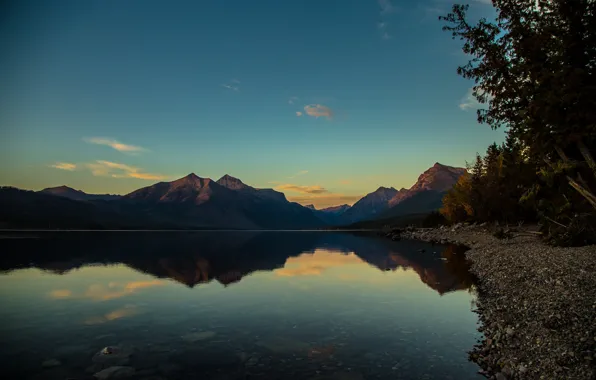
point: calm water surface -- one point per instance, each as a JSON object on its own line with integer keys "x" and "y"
{"x": 234, "y": 305}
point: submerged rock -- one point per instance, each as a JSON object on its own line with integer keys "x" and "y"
{"x": 113, "y": 355}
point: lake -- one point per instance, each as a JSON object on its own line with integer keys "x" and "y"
{"x": 234, "y": 305}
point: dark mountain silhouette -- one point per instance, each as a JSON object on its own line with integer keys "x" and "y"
{"x": 232, "y": 205}
{"x": 333, "y": 216}
{"x": 194, "y": 258}
{"x": 236, "y": 184}
{"x": 439, "y": 178}
{"x": 191, "y": 189}
{"x": 426, "y": 194}
{"x": 336, "y": 209}
{"x": 29, "y": 209}
{"x": 423, "y": 197}
{"x": 78, "y": 195}
{"x": 193, "y": 202}
{"x": 418, "y": 203}
{"x": 370, "y": 206}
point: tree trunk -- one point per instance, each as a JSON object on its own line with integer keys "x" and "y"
{"x": 587, "y": 156}
{"x": 583, "y": 190}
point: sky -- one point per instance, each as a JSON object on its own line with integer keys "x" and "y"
{"x": 323, "y": 100}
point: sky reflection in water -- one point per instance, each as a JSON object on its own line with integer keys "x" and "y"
{"x": 237, "y": 305}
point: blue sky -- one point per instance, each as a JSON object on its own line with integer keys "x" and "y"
{"x": 326, "y": 100}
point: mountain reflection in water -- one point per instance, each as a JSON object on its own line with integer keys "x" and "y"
{"x": 227, "y": 257}
{"x": 234, "y": 305}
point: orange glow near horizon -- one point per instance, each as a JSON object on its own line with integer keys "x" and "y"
{"x": 321, "y": 201}
{"x": 314, "y": 264}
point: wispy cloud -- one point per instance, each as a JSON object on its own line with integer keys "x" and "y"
{"x": 316, "y": 189}
{"x": 301, "y": 172}
{"x": 230, "y": 87}
{"x": 386, "y": 7}
{"x": 469, "y": 102}
{"x": 318, "y": 110}
{"x": 64, "y": 166}
{"x": 146, "y": 176}
{"x": 298, "y": 113}
{"x": 431, "y": 12}
{"x": 345, "y": 181}
{"x": 121, "y": 147}
{"x": 233, "y": 84}
{"x": 293, "y": 99}
{"x": 434, "y": 11}
{"x": 103, "y": 168}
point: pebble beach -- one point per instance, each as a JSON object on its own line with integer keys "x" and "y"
{"x": 536, "y": 303}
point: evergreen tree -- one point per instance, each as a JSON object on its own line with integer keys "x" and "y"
{"x": 534, "y": 70}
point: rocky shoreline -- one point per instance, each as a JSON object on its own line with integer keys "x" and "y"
{"x": 536, "y": 303}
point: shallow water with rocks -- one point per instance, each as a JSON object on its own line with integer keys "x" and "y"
{"x": 234, "y": 305}
{"x": 536, "y": 303}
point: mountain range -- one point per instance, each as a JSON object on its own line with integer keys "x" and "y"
{"x": 193, "y": 202}
{"x": 424, "y": 196}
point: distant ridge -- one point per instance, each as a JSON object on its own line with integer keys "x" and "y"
{"x": 337, "y": 209}
{"x": 333, "y": 216}
{"x": 439, "y": 178}
{"x": 424, "y": 196}
{"x": 77, "y": 195}
{"x": 370, "y": 205}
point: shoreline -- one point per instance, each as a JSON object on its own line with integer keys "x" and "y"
{"x": 536, "y": 303}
